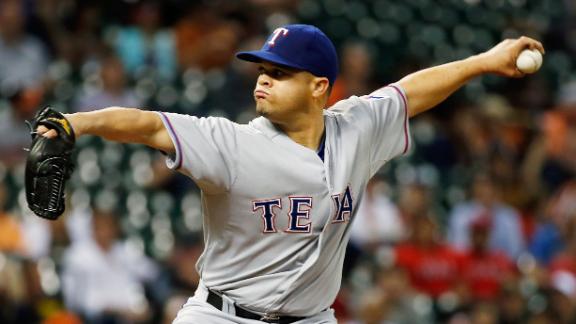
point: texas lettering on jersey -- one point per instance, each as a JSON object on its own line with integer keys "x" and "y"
{"x": 299, "y": 213}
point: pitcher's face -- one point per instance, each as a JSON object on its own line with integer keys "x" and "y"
{"x": 282, "y": 92}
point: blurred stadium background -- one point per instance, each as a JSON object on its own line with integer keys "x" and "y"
{"x": 476, "y": 224}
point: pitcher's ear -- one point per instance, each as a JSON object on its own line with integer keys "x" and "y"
{"x": 320, "y": 87}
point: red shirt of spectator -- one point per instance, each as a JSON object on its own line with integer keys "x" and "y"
{"x": 483, "y": 270}
{"x": 433, "y": 268}
{"x": 565, "y": 262}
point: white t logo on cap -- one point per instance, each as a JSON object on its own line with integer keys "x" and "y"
{"x": 276, "y": 33}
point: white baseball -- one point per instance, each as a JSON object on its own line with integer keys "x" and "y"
{"x": 529, "y": 61}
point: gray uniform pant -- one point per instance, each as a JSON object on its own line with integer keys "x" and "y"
{"x": 197, "y": 311}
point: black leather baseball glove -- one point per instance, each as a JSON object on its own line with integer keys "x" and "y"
{"x": 49, "y": 164}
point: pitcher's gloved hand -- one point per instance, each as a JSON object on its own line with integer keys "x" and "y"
{"x": 49, "y": 164}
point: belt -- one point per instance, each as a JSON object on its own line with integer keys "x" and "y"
{"x": 216, "y": 300}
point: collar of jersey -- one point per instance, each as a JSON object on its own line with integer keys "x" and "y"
{"x": 264, "y": 125}
{"x": 271, "y": 131}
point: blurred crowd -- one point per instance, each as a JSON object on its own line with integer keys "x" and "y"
{"x": 477, "y": 224}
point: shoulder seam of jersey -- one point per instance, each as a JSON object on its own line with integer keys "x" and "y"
{"x": 177, "y": 147}
{"x": 405, "y": 102}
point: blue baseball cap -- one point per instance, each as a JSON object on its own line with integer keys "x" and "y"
{"x": 303, "y": 47}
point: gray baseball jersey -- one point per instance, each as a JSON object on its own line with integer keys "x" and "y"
{"x": 277, "y": 217}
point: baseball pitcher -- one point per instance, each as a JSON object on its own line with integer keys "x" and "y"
{"x": 279, "y": 193}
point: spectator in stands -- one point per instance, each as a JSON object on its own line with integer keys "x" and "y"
{"x": 505, "y": 231}
{"x": 562, "y": 299}
{"x": 508, "y": 133}
{"x": 551, "y": 157}
{"x": 471, "y": 131}
{"x": 103, "y": 280}
{"x": 11, "y": 240}
{"x": 373, "y": 307}
{"x": 379, "y": 224}
{"x": 179, "y": 279}
{"x": 23, "y": 58}
{"x": 114, "y": 90}
{"x": 415, "y": 201}
{"x": 512, "y": 307}
{"x": 20, "y": 291}
{"x": 357, "y": 71}
{"x": 16, "y": 288}
{"x": 484, "y": 272}
{"x": 401, "y": 297}
{"x": 484, "y": 313}
{"x": 81, "y": 43}
{"x": 565, "y": 259}
{"x": 22, "y": 103}
{"x": 433, "y": 267}
{"x": 552, "y": 233}
{"x": 378, "y": 221}
{"x": 87, "y": 31}
{"x": 145, "y": 44}
{"x": 204, "y": 40}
